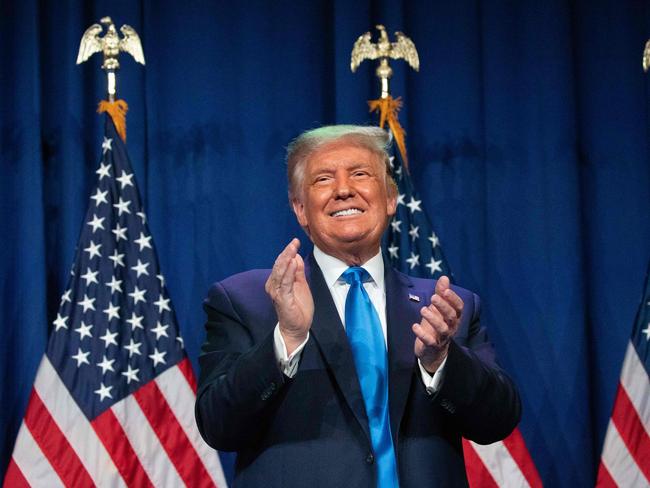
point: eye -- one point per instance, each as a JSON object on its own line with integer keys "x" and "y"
{"x": 360, "y": 173}
{"x": 322, "y": 179}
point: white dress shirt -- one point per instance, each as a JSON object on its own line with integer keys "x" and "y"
{"x": 332, "y": 269}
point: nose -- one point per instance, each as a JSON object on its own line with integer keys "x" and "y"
{"x": 342, "y": 187}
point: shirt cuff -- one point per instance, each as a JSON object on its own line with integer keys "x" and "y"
{"x": 288, "y": 363}
{"x": 432, "y": 381}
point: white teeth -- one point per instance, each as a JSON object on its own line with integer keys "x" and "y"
{"x": 349, "y": 211}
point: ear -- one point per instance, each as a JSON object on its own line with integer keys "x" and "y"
{"x": 299, "y": 210}
{"x": 391, "y": 202}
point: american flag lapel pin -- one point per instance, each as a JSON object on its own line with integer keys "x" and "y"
{"x": 414, "y": 298}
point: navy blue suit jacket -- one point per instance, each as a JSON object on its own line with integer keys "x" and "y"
{"x": 312, "y": 430}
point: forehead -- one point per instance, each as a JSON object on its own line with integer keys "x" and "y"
{"x": 341, "y": 153}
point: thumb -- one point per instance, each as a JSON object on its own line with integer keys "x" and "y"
{"x": 441, "y": 285}
{"x": 300, "y": 268}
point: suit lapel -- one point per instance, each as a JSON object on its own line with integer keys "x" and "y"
{"x": 331, "y": 339}
{"x": 401, "y": 314}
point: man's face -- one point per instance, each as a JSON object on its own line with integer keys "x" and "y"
{"x": 344, "y": 203}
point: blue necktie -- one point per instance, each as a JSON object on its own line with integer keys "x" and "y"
{"x": 370, "y": 358}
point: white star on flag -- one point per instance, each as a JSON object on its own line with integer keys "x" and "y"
{"x": 414, "y": 205}
{"x": 104, "y": 391}
{"x": 163, "y": 304}
{"x": 66, "y": 297}
{"x": 93, "y": 250}
{"x": 400, "y": 199}
{"x": 84, "y": 330}
{"x": 413, "y": 261}
{"x": 140, "y": 268}
{"x": 115, "y": 285}
{"x": 434, "y": 240}
{"x": 131, "y": 374}
{"x": 133, "y": 347}
{"x": 393, "y": 251}
{"x": 99, "y": 197}
{"x": 143, "y": 216}
{"x": 157, "y": 357}
{"x": 118, "y": 259}
{"x": 60, "y": 322}
{"x": 112, "y": 312}
{"x": 137, "y": 295}
{"x": 87, "y": 303}
{"x": 646, "y": 331}
{"x": 122, "y": 206}
{"x": 81, "y": 357}
{"x": 135, "y": 321}
{"x": 160, "y": 330}
{"x": 413, "y": 232}
{"x": 395, "y": 224}
{"x": 161, "y": 278}
{"x": 125, "y": 179}
{"x": 143, "y": 241}
{"x": 120, "y": 233}
{"x": 90, "y": 277}
{"x": 106, "y": 145}
{"x": 106, "y": 364}
{"x": 96, "y": 223}
{"x": 434, "y": 265}
{"x": 109, "y": 338}
{"x": 103, "y": 171}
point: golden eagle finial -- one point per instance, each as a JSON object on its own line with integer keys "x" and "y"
{"x": 646, "y": 56}
{"x": 383, "y": 49}
{"x": 110, "y": 45}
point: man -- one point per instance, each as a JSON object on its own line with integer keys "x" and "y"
{"x": 339, "y": 370}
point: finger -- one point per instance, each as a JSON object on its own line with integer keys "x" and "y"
{"x": 283, "y": 259}
{"x": 454, "y": 300}
{"x": 449, "y": 314}
{"x": 429, "y": 336}
{"x": 300, "y": 268}
{"x": 426, "y": 337}
{"x": 441, "y": 285}
{"x": 289, "y": 277}
{"x": 433, "y": 320}
{"x": 280, "y": 266}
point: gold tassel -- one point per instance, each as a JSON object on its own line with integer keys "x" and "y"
{"x": 388, "y": 110}
{"x": 117, "y": 110}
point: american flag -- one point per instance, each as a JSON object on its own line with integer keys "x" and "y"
{"x": 414, "y": 249}
{"x": 412, "y": 246}
{"x": 113, "y": 400}
{"x": 625, "y": 460}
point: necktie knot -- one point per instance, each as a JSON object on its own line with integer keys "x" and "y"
{"x": 355, "y": 274}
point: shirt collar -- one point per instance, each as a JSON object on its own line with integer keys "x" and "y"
{"x": 333, "y": 268}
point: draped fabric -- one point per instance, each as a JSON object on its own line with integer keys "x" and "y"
{"x": 527, "y": 128}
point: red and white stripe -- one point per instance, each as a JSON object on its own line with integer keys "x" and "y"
{"x": 625, "y": 460}
{"x": 147, "y": 439}
{"x": 503, "y": 464}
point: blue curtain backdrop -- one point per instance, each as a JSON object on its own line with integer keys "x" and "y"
{"x": 528, "y": 139}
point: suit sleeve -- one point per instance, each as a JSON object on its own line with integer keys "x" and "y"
{"x": 477, "y": 395}
{"x": 240, "y": 381}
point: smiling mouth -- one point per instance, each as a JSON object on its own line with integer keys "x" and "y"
{"x": 346, "y": 212}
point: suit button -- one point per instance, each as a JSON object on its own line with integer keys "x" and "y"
{"x": 447, "y": 405}
{"x": 370, "y": 458}
{"x": 272, "y": 386}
